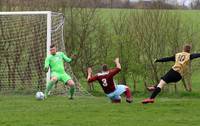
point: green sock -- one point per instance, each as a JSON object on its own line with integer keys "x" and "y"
{"x": 71, "y": 91}
{"x": 48, "y": 88}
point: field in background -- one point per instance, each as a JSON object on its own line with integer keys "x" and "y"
{"x": 96, "y": 111}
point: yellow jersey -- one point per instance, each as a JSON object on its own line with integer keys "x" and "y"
{"x": 182, "y": 61}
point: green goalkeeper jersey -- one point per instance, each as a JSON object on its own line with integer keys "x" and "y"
{"x": 56, "y": 62}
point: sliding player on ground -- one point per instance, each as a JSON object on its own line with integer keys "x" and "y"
{"x": 105, "y": 79}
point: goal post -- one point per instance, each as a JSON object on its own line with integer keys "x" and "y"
{"x": 48, "y": 39}
{"x": 25, "y": 39}
{"x": 48, "y": 13}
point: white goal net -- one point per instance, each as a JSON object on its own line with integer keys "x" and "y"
{"x": 25, "y": 38}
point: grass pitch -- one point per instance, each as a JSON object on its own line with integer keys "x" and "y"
{"x": 97, "y": 111}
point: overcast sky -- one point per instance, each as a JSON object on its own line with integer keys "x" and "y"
{"x": 187, "y": 2}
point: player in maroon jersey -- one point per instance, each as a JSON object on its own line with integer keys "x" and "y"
{"x": 105, "y": 78}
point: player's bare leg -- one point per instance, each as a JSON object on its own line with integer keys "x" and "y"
{"x": 71, "y": 84}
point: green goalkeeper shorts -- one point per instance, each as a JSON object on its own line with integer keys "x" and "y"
{"x": 63, "y": 77}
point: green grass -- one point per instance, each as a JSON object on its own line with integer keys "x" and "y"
{"x": 97, "y": 111}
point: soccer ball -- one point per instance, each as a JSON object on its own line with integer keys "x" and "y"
{"x": 39, "y": 95}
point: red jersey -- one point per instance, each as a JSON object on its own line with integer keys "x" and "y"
{"x": 106, "y": 79}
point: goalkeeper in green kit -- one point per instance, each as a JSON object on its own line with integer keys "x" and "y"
{"x": 55, "y": 61}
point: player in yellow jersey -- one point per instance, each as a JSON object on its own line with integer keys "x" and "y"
{"x": 176, "y": 73}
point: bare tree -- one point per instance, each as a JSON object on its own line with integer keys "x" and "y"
{"x": 196, "y": 4}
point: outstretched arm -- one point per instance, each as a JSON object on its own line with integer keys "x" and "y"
{"x": 194, "y": 56}
{"x": 90, "y": 78}
{"x": 89, "y": 71}
{"x": 166, "y": 59}
{"x": 67, "y": 59}
{"x": 118, "y": 65}
{"x": 117, "y": 69}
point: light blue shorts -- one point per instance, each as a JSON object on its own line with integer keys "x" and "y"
{"x": 115, "y": 95}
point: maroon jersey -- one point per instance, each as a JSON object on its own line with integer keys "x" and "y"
{"x": 106, "y": 79}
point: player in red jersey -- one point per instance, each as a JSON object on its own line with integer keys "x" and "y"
{"x": 105, "y": 78}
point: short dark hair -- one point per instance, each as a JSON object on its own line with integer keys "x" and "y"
{"x": 52, "y": 46}
{"x": 187, "y": 48}
{"x": 104, "y": 67}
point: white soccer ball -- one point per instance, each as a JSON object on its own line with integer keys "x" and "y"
{"x": 39, "y": 95}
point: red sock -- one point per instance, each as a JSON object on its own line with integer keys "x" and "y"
{"x": 128, "y": 93}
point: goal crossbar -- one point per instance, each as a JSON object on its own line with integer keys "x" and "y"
{"x": 24, "y": 12}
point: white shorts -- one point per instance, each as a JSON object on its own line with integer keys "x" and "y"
{"x": 115, "y": 95}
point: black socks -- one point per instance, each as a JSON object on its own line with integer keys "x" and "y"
{"x": 155, "y": 93}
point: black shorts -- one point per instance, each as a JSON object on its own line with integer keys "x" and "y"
{"x": 172, "y": 76}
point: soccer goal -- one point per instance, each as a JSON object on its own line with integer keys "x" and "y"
{"x": 25, "y": 39}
